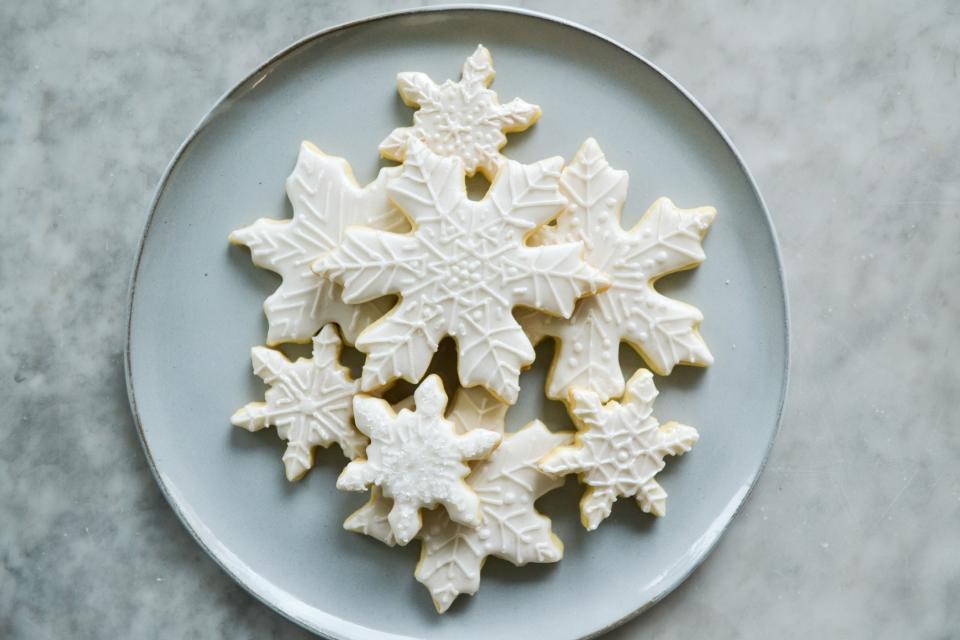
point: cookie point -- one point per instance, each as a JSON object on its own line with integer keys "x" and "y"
{"x": 293, "y": 469}
{"x": 591, "y": 146}
{"x": 308, "y": 147}
{"x": 240, "y": 418}
{"x": 553, "y": 163}
{"x": 328, "y": 336}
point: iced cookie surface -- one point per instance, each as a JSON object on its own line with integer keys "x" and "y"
{"x": 418, "y": 459}
{"x": 667, "y": 239}
{"x": 619, "y": 449}
{"x": 461, "y": 119}
{"x": 452, "y": 555}
{"x": 309, "y": 402}
{"x": 472, "y": 408}
{"x": 326, "y": 199}
{"x": 460, "y": 272}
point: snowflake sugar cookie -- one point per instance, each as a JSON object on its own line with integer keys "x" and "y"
{"x": 325, "y": 198}
{"x": 667, "y": 239}
{"x": 472, "y": 408}
{"x": 452, "y": 555}
{"x": 417, "y": 458}
{"x": 619, "y": 448}
{"x": 309, "y": 401}
{"x": 462, "y": 119}
{"x": 460, "y": 272}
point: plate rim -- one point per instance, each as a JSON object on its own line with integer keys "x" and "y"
{"x": 695, "y": 559}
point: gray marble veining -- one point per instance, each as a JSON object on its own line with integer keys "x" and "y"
{"x": 845, "y": 112}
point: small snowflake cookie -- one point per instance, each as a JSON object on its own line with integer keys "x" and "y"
{"x": 460, "y": 272}
{"x": 309, "y": 402}
{"x": 667, "y": 239}
{"x": 618, "y": 449}
{"x": 418, "y": 459}
{"x": 461, "y": 119}
{"x": 508, "y": 483}
{"x": 326, "y": 199}
{"x": 472, "y": 408}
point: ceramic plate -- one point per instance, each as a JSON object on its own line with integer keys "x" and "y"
{"x": 195, "y": 311}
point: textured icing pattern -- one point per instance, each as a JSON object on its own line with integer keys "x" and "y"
{"x": 471, "y": 408}
{"x": 309, "y": 402}
{"x": 452, "y": 555}
{"x": 667, "y": 239}
{"x": 325, "y": 199}
{"x": 417, "y": 458}
{"x": 619, "y": 449}
{"x": 460, "y": 119}
{"x": 460, "y": 272}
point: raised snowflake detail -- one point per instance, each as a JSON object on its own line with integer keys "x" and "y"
{"x": 667, "y": 239}
{"x": 461, "y": 272}
{"x": 619, "y": 449}
{"x": 326, "y": 199}
{"x": 309, "y": 402}
{"x": 418, "y": 459}
{"x": 461, "y": 119}
{"x": 452, "y": 555}
{"x": 472, "y": 408}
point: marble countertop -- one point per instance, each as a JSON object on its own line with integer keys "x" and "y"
{"x": 846, "y": 114}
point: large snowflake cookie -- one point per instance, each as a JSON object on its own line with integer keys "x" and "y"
{"x": 452, "y": 555}
{"x": 418, "y": 459}
{"x": 309, "y": 402}
{"x": 619, "y": 448}
{"x": 667, "y": 239}
{"x": 472, "y": 408}
{"x": 461, "y": 271}
{"x": 461, "y": 119}
{"x": 325, "y": 198}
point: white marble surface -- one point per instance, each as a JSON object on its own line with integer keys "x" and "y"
{"x": 846, "y": 113}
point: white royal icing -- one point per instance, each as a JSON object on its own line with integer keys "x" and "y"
{"x": 460, "y": 272}
{"x": 452, "y": 555}
{"x": 462, "y": 119}
{"x": 309, "y": 402}
{"x": 667, "y": 239}
{"x": 325, "y": 199}
{"x": 619, "y": 448}
{"x": 472, "y": 408}
{"x": 417, "y": 458}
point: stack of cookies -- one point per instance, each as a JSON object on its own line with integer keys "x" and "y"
{"x": 543, "y": 254}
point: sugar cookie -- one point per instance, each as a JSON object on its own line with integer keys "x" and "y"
{"x": 309, "y": 401}
{"x": 508, "y": 483}
{"x": 618, "y": 449}
{"x": 667, "y": 239}
{"x": 417, "y": 458}
{"x": 461, "y": 119}
{"x": 325, "y": 199}
{"x": 460, "y": 272}
{"x": 472, "y": 408}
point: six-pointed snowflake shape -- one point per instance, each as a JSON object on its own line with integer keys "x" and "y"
{"x": 452, "y": 555}
{"x": 325, "y": 199}
{"x": 309, "y": 401}
{"x": 461, "y": 119}
{"x": 471, "y": 408}
{"x": 417, "y": 458}
{"x": 461, "y": 272}
{"x": 619, "y": 448}
{"x": 667, "y": 239}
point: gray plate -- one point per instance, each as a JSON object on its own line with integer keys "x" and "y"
{"x": 195, "y": 313}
